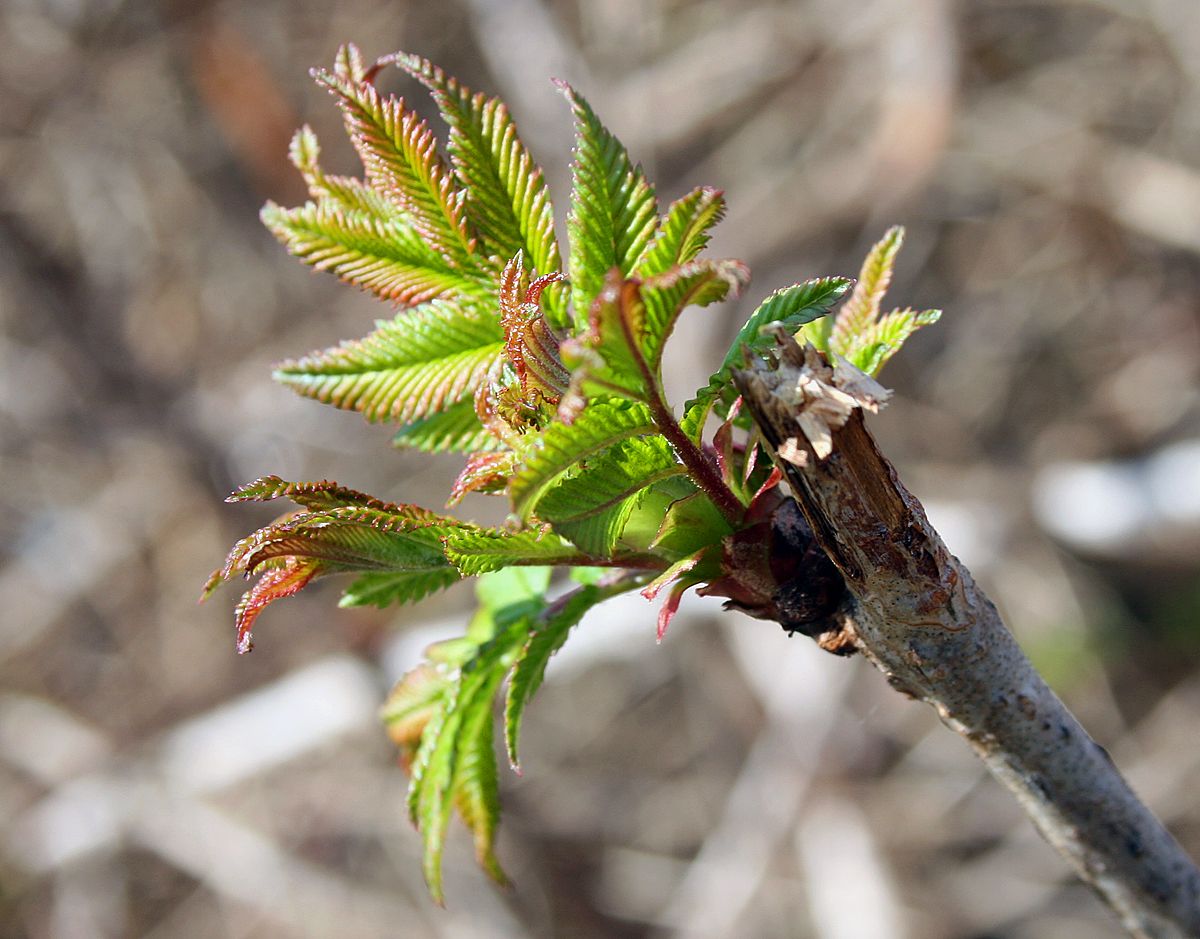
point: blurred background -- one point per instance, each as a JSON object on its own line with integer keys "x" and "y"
{"x": 731, "y": 782}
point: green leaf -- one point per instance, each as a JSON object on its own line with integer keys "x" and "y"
{"x": 696, "y": 283}
{"x": 613, "y": 210}
{"x": 318, "y": 497}
{"x": 475, "y": 551}
{"x": 884, "y": 338}
{"x": 455, "y": 765}
{"x": 690, "y": 525}
{"x": 607, "y": 359}
{"x": 456, "y": 429}
{"x": 383, "y": 588}
{"x": 591, "y": 507}
{"x": 362, "y": 537}
{"x": 408, "y": 368}
{"x": 546, "y": 637}
{"x": 858, "y": 314}
{"x": 683, "y": 233}
{"x": 506, "y": 195}
{"x": 548, "y": 455}
{"x": 383, "y": 256}
{"x": 401, "y": 158}
{"x": 793, "y": 307}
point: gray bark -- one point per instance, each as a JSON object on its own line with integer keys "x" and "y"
{"x": 915, "y": 612}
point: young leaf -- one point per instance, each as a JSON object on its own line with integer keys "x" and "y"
{"x": 383, "y": 588}
{"x": 400, "y": 154}
{"x": 696, "y": 283}
{"x": 531, "y": 346}
{"x": 506, "y": 196}
{"x": 793, "y": 307}
{"x": 547, "y": 636}
{"x": 859, "y": 313}
{"x": 408, "y": 368}
{"x": 456, "y": 429}
{"x": 479, "y": 550}
{"x": 683, "y": 232}
{"x": 613, "y": 210}
{"x": 591, "y": 507}
{"x": 607, "y": 358}
{"x": 383, "y": 256}
{"x": 344, "y": 192}
{"x": 561, "y": 446}
{"x": 357, "y": 537}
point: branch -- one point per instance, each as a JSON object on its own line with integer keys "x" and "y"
{"x": 913, "y": 610}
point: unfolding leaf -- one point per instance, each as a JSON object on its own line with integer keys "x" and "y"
{"x": 591, "y": 507}
{"x": 342, "y": 192}
{"x": 683, "y": 232}
{"x": 383, "y": 588}
{"x": 792, "y": 307}
{"x": 409, "y": 368}
{"x": 529, "y": 343}
{"x": 505, "y": 194}
{"x": 484, "y": 471}
{"x": 456, "y": 429}
{"x": 613, "y": 210}
{"x": 477, "y": 550}
{"x": 859, "y": 313}
{"x": 401, "y": 157}
{"x": 551, "y": 453}
{"x": 382, "y": 256}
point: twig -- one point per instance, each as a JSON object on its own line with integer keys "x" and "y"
{"x": 915, "y": 612}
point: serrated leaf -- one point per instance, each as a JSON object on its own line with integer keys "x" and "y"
{"x": 793, "y": 307}
{"x": 560, "y": 446}
{"x": 613, "y": 210}
{"x": 409, "y": 368}
{"x": 401, "y": 158}
{"x": 316, "y": 496}
{"x": 664, "y": 297}
{"x": 546, "y": 637}
{"x": 476, "y": 551}
{"x": 456, "y": 429}
{"x": 294, "y": 550}
{"x": 683, "y": 232}
{"x": 859, "y": 313}
{"x": 884, "y": 339}
{"x": 529, "y": 343}
{"x": 591, "y": 507}
{"x": 506, "y": 195}
{"x": 344, "y": 192}
{"x": 383, "y": 588}
{"x": 384, "y": 257}
{"x": 607, "y": 359}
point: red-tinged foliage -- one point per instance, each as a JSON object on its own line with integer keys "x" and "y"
{"x": 482, "y": 471}
{"x": 292, "y": 574}
{"x": 531, "y": 345}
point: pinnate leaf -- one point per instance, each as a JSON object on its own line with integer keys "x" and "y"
{"x": 613, "y": 210}
{"x": 456, "y": 429}
{"x": 505, "y": 194}
{"x": 381, "y": 255}
{"x": 551, "y": 453}
{"x": 401, "y": 157}
{"x": 683, "y": 233}
{"x": 791, "y": 306}
{"x": 480, "y": 550}
{"x": 591, "y": 507}
{"x": 409, "y": 368}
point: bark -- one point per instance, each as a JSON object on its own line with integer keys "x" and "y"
{"x": 914, "y": 611}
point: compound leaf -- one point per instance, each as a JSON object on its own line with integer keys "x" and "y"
{"x": 683, "y": 232}
{"x": 407, "y": 369}
{"x": 506, "y": 195}
{"x": 384, "y": 256}
{"x": 560, "y": 446}
{"x": 613, "y": 210}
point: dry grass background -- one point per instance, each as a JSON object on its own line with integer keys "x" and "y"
{"x": 1045, "y": 157}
